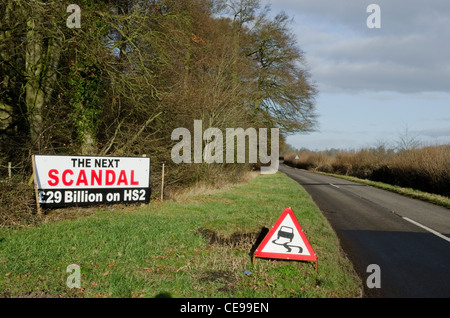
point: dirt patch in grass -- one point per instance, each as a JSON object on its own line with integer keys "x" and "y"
{"x": 227, "y": 279}
{"x": 34, "y": 294}
{"x": 234, "y": 240}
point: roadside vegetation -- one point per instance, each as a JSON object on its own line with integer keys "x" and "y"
{"x": 134, "y": 71}
{"x": 195, "y": 245}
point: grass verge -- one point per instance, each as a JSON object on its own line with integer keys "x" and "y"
{"x": 195, "y": 248}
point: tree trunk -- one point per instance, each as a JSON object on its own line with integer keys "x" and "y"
{"x": 41, "y": 70}
{"x": 34, "y": 95}
{"x": 6, "y": 110}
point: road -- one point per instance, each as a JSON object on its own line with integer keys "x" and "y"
{"x": 408, "y": 239}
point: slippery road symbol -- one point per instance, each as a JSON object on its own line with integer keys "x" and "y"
{"x": 285, "y": 235}
{"x": 286, "y": 240}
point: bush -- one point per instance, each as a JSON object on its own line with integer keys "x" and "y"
{"x": 17, "y": 204}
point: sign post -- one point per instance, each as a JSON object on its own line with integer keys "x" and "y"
{"x": 63, "y": 181}
{"x": 36, "y": 192}
{"x": 162, "y": 183}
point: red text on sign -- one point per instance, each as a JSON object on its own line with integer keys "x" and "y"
{"x": 92, "y": 178}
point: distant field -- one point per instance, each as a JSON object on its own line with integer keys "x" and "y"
{"x": 196, "y": 247}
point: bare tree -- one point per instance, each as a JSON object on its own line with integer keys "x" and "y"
{"x": 407, "y": 140}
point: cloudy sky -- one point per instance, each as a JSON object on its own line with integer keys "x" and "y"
{"x": 375, "y": 83}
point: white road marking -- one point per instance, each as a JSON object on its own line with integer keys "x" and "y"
{"x": 334, "y": 185}
{"x": 427, "y": 228}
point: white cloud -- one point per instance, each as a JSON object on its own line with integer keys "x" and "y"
{"x": 409, "y": 54}
{"x": 436, "y": 132}
{"x": 372, "y": 82}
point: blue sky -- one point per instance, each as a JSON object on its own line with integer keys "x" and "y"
{"x": 374, "y": 84}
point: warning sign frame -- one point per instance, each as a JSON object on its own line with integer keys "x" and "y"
{"x": 286, "y": 256}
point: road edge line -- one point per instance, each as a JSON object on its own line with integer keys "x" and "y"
{"x": 442, "y": 236}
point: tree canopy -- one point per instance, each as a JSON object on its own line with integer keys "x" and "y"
{"x": 136, "y": 70}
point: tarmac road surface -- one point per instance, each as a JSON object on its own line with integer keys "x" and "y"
{"x": 408, "y": 239}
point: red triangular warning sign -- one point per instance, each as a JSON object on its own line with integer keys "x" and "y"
{"x": 286, "y": 240}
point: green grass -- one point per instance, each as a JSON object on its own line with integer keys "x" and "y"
{"x": 159, "y": 250}
{"x": 412, "y": 193}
